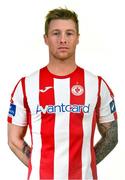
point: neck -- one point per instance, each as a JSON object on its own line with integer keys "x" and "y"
{"x": 61, "y": 67}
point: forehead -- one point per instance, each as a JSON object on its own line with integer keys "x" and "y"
{"x": 60, "y": 24}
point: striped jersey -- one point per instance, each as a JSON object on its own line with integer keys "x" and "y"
{"x": 62, "y": 112}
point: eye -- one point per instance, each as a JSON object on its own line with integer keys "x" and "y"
{"x": 56, "y": 33}
{"x": 69, "y": 33}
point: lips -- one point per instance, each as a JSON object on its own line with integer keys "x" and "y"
{"x": 63, "y": 48}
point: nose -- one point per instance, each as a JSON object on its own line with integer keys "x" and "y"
{"x": 63, "y": 39}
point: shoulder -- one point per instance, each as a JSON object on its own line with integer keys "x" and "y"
{"x": 34, "y": 75}
{"x": 89, "y": 75}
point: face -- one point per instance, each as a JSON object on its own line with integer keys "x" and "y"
{"x": 62, "y": 39}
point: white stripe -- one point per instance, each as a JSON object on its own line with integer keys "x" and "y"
{"x": 32, "y": 92}
{"x": 105, "y": 111}
{"x": 20, "y": 115}
{"x": 91, "y": 90}
{"x": 61, "y": 136}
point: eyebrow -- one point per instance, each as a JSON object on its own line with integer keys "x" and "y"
{"x": 71, "y": 30}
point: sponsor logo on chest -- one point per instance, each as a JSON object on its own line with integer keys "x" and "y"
{"x": 62, "y": 108}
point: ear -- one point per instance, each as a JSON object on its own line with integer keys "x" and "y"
{"x": 45, "y": 39}
{"x": 78, "y": 39}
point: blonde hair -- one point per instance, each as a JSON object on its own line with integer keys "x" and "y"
{"x": 61, "y": 13}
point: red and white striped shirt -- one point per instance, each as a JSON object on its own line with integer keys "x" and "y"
{"x": 62, "y": 112}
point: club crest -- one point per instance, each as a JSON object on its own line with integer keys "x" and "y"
{"x": 77, "y": 90}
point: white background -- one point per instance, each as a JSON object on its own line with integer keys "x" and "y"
{"x": 101, "y": 51}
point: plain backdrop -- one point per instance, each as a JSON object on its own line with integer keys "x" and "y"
{"x": 101, "y": 50}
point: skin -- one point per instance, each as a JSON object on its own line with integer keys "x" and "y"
{"x": 109, "y": 139}
{"x": 62, "y": 39}
{"x": 17, "y": 144}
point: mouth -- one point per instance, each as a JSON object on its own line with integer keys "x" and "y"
{"x": 63, "y": 48}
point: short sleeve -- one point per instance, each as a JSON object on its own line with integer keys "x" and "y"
{"x": 106, "y": 103}
{"x": 18, "y": 111}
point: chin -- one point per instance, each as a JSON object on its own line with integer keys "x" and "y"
{"x": 63, "y": 57}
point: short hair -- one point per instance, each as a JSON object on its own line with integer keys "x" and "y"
{"x": 61, "y": 13}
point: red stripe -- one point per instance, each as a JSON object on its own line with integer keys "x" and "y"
{"x": 98, "y": 99}
{"x": 93, "y": 160}
{"x": 24, "y": 92}
{"x": 30, "y": 164}
{"x": 76, "y": 130}
{"x": 9, "y": 119}
{"x": 47, "y": 127}
{"x": 28, "y": 114}
{"x": 115, "y": 116}
{"x": 94, "y": 121}
{"x": 24, "y": 95}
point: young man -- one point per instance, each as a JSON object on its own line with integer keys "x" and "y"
{"x": 62, "y": 103}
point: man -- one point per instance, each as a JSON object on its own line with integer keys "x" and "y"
{"x": 62, "y": 103}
